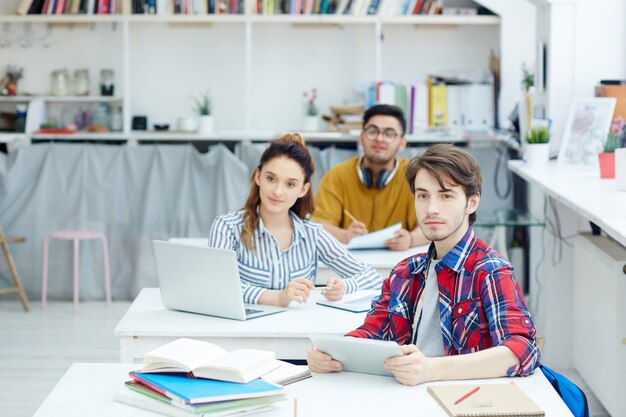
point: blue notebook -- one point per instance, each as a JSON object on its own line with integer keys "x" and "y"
{"x": 180, "y": 387}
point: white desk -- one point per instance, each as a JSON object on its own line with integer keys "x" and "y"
{"x": 89, "y": 389}
{"x": 148, "y": 324}
{"x": 383, "y": 261}
{"x": 583, "y": 191}
{"x": 578, "y": 287}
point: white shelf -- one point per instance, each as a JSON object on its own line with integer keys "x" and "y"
{"x": 36, "y": 18}
{"x": 181, "y": 18}
{"x": 441, "y": 20}
{"x": 63, "y": 99}
{"x": 313, "y": 19}
{"x": 12, "y": 137}
{"x": 240, "y": 136}
{"x": 247, "y": 53}
{"x": 284, "y": 18}
{"x": 114, "y": 136}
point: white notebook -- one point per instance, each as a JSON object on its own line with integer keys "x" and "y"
{"x": 357, "y": 302}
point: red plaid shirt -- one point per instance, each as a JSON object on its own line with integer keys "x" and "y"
{"x": 480, "y": 304}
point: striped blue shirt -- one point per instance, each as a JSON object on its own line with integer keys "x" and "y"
{"x": 269, "y": 268}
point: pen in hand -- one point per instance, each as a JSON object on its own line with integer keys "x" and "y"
{"x": 464, "y": 396}
{"x": 347, "y": 213}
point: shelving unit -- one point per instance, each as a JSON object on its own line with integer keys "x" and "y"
{"x": 254, "y": 65}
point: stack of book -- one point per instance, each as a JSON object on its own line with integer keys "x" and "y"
{"x": 190, "y": 377}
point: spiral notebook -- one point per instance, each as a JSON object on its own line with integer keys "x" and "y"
{"x": 491, "y": 400}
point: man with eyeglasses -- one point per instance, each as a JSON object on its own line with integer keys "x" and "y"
{"x": 368, "y": 193}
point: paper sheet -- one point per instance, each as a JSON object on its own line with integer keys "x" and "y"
{"x": 374, "y": 240}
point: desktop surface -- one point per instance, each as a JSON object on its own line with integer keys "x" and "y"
{"x": 583, "y": 191}
{"x": 91, "y": 388}
{"x": 148, "y": 324}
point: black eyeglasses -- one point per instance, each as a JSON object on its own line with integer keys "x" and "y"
{"x": 372, "y": 132}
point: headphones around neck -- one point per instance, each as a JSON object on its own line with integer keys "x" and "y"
{"x": 380, "y": 182}
{"x": 365, "y": 175}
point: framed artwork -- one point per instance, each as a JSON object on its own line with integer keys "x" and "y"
{"x": 586, "y": 129}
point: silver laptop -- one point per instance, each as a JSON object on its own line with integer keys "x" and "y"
{"x": 204, "y": 280}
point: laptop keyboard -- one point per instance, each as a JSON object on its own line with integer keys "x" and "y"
{"x": 252, "y": 311}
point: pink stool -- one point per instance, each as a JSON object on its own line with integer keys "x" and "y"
{"x": 75, "y": 235}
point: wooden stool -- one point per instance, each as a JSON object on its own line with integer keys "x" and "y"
{"x": 4, "y": 241}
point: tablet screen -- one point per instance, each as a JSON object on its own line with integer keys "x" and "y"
{"x": 358, "y": 355}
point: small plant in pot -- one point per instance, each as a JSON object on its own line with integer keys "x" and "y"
{"x": 311, "y": 111}
{"x": 616, "y": 134}
{"x": 203, "y": 108}
{"x": 538, "y": 149}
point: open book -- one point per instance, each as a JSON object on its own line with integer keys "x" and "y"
{"x": 206, "y": 360}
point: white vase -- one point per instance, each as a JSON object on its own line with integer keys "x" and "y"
{"x": 206, "y": 125}
{"x": 537, "y": 154}
{"x": 311, "y": 124}
{"x": 186, "y": 124}
{"x": 620, "y": 169}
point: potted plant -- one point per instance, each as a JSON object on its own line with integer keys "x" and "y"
{"x": 537, "y": 150}
{"x": 612, "y": 142}
{"x": 8, "y": 83}
{"x": 311, "y": 111}
{"x": 203, "y": 109}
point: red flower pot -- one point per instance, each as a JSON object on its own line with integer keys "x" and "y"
{"x": 607, "y": 164}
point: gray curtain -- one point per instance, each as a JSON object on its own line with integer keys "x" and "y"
{"x": 134, "y": 195}
{"x": 131, "y": 194}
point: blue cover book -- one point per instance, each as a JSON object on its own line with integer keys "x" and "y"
{"x": 180, "y": 387}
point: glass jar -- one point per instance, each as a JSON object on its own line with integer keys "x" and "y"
{"x": 60, "y": 82}
{"x": 117, "y": 119}
{"x": 107, "y": 82}
{"x": 81, "y": 82}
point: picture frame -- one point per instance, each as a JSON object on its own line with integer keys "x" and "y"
{"x": 586, "y": 129}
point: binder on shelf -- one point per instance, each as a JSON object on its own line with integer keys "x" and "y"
{"x": 456, "y": 109}
{"x": 420, "y": 108}
{"x": 438, "y": 105}
{"x": 478, "y": 106}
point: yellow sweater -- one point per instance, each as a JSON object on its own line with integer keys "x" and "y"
{"x": 342, "y": 189}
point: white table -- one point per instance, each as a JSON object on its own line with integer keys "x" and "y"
{"x": 383, "y": 261}
{"x": 581, "y": 190}
{"x": 575, "y": 318}
{"x": 148, "y": 324}
{"x": 88, "y": 389}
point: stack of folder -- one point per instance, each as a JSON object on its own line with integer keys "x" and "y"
{"x": 177, "y": 394}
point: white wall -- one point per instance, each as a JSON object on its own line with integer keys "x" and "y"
{"x": 518, "y": 40}
{"x": 600, "y": 43}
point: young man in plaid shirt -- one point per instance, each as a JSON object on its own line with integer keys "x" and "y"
{"x": 457, "y": 310}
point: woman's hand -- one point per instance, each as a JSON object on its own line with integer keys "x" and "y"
{"x": 297, "y": 290}
{"x": 336, "y": 288}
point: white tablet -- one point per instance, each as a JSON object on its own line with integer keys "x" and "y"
{"x": 366, "y": 356}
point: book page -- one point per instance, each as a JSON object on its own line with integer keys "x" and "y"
{"x": 287, "y": 373}
{"x": 181, "y": 355}
{"x": 374, "y": 240}
{"x": 241, "y": 360}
